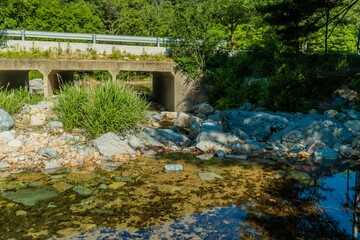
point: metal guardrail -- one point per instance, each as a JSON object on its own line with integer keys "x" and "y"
{"x": 88, "y": 37}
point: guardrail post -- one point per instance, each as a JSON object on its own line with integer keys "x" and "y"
{"x": 94, "y": 38}
{"x": 158, "y": 41}
{"x": 23, "y": 35}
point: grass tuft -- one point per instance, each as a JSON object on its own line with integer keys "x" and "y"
{"x": 12, "y": 100}
{"x": 109, "y": 107}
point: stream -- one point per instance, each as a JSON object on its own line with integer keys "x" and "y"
{"x": 214, "y": 199}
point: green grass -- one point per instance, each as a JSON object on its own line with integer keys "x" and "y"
{"x": 12, "y": 100}
{"x": 109, "y": 107}
{"x": 59, "y": 53}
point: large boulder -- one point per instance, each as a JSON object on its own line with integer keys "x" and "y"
{"x": 210, "y": 139}
{"x": 6, "y": 122}
{"x": 255, "y": 124}
{"x": 109, "y": 145}
{"x": 250, "y": 149}
{"x": 167, "y": 135}
{"x": 36, "y": 86}
{"x": 354, "y": 126}
{"x": 301, "y": 133}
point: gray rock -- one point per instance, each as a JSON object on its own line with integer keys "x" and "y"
{"x": 341, "y": 117}
{"x": 255, "y": 124}
{"x": 344, "y": 151}
{"x": 208, "y": 176}
{"x": 9, "y": 135}
{"x": 52, "y": 165}
{"x": 339, "y": 101}
{"x": 173, "y": 168}
{"x": 109, "y": 145}
{"x": 166, "y": 135}
{"x": 330, "y": 113}
{"x": 237, "y": 157}
{"x": 47, "y": 152}
{"x": 146, "y": 138}
{"x": 352, "y": 114}
{"x": 220, "y": 154}
{"x": 135, "y": 143}
{"x": 250, "y": 150}
{"x": 82, "y": 190}
{"x": 4, "y": 165}
{"x": 6, "y": 122}
{"x": 36, "y": 86}
{"x": 149, "y": 153}
{"x": 348, "y": 94}
{"x": 314, "y": 145}
{"x": 155, "y": 116}
{"x": 205, "y": 157}
{"x": 353, "y": 125}
{"x": 325, "y": 153}
{"x": 214, "y": 117}
{"x": 356, "y": 142}
{"x": 299, "y": 134}
{"x": 29, "y": 197}
{"x": 210, "y": 139}
{"x": 298, "y": 176}
{"x": 204, "y": 108}
{"x": 110, "y": 166}
{"x": 241, "y": 134}
{"x": 210, "y": 125}
{"x": 54, "y": 125}
{"x": 183, "y": 120}
{"x": 355, "y": 153}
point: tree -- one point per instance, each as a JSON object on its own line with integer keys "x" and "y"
{"x": 232, "y": 13}
{"x": 195, "y": 24}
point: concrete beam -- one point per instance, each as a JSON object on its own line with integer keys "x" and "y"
{"x": 171, "y": 86}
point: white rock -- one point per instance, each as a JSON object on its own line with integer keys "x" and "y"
{"x": 37, "y": 119}
{"x": 9, "y": 135}
{"x": 15, "y": 143}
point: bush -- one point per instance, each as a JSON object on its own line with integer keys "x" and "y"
{"x": 110, "y": 107}
{"x": 12, "y": 100}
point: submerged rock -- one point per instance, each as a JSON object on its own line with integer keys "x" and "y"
{"x": 82, "y": 190}
{"x": 29, "y": 196}
{"x": 208, "y": 176}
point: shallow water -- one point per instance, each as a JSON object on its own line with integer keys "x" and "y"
{"x": 140, "y": 201}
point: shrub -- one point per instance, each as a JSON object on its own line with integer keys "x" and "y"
{"x": 12, "y": 100}
{"x": 110, "y": 107}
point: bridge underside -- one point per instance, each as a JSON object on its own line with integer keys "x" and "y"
{"x": 171, "y": 87}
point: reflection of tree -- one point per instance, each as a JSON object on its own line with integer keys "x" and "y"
{"x": 290, "y": 211}
{"x": 356, "y": 205}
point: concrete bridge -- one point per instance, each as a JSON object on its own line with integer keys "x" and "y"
{"x": 171, "y": 86}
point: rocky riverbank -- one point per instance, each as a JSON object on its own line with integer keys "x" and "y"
{"x": 31, "y": 140}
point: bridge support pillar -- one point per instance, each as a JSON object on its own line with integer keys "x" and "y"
{"x": 113, "y": 74}
{"x": 14, "y": 79}
{"x": 53, "y": 79}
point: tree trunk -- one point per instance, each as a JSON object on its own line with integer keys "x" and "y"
{"x": 232, "y": 40}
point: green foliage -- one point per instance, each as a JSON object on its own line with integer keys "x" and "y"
{"x": 35, "y": 74}
{"x": 12, "y": 100}
{"x": 110, "y": 107}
